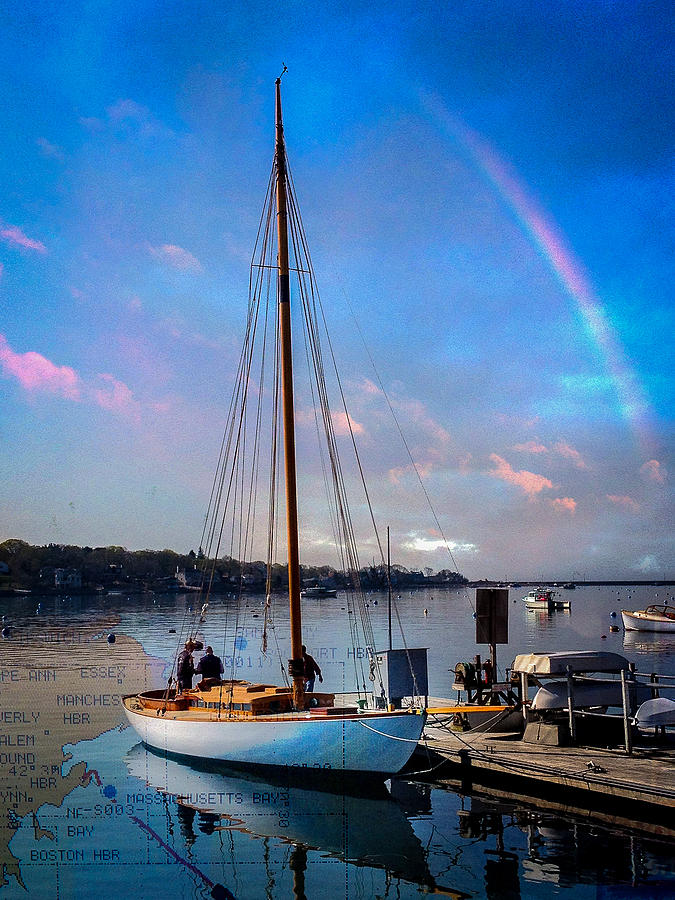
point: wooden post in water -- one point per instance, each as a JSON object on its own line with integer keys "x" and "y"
{"x": 626, "y": 711}
{"x": 570, "y": 705}
{"x": 295, "y": 664}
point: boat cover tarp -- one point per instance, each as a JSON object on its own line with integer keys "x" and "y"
{"x": 660, "y": 711}
{"x": 578, "y": 660}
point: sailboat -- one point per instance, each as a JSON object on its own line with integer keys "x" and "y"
{"x": 230, "y": 719}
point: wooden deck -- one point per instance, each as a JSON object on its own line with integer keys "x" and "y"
{"x": 592, "y": 777}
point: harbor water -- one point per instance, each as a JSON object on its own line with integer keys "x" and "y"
{"x": 87, "y": 810}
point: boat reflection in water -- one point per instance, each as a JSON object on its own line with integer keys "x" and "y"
{"x": 368, "y": 829}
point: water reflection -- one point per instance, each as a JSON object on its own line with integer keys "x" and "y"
{"x": 427, "y": 837}
{"x": 361, "y": 824}
{"x": 648, "y": 642}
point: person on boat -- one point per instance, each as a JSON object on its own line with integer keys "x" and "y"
{"x": 210, "y": 666}
{"x": 185, "y": 668}
{"x": 311, "y": 669}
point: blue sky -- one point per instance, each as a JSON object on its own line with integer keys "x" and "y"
{"x": 487, "y": 188}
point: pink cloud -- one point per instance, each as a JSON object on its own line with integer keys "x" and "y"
{"x": 369, "y": 387}
{"x": 14, "y": 235}
{"x": 36, "y": 373}
{"x": 341, "y": 424}
{"x": 529, "y": 482}
{"x": 423, "y": 469}
{"x": 654, "y": 471}
{"x": 2, "y": 269}
{"x": 531, "y": 447}
{"x": 564, "y": 504}
{"x": 628, "y": 502}
{"x": 117, "y": 397}
{"x": 569, "y": 452}
{"x": 177, "y": 258}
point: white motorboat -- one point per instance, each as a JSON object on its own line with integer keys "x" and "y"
{"x": 260, "y": 724}
{"x": 318, "y": 591}
{"x": 657, "y": 617}
{"x": 545, "y": 598}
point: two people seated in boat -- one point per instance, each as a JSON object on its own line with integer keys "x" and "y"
{"x": 210, "y": 667}
{"x": 311, "y": 669}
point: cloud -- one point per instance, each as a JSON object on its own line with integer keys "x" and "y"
{"x": 423, "y": 469}
{"x": 562, "y": 448}
{"x": 127, "y": 117}
{"x": 654, "y": 471}
{"x": 531, "y": 447}
{"x": 529, "y": 482}
{"x": 177, "y": 258}
{"x": 624, "y": 501}
{"x": 51, "y": 151}
{"x": 648, "y": 563}
{"x": 14, "y": 235}
{"x": 127, "y": 109}
{"x": 117, "y": 397}
{"x": 36, "y": 373}
{"x": 369, "y": 387}
{"x": 569, "y": 452}
{"x": 341, "y": 423}
{"x": 429, "y": 545}
{"x": 564, "y": 504}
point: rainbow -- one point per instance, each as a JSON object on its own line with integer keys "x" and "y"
{"x": 548, "y": 239}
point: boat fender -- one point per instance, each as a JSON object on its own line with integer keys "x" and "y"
{"x": 111, "y": 638}
{"x": 5, "y": 631}
{"x": 612, "y": 615}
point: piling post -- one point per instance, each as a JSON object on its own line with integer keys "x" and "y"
{"x": 570, "y": 705}
{"x": 523, "y": 695}
{"x": 626, "y": 712}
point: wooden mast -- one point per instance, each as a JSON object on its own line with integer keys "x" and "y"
{"x": 295, "y": 664}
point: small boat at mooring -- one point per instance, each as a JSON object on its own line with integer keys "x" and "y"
{"x": 657, "y": 617}
{"x": 318, "y": 591}
{"x": 545, "y": 598}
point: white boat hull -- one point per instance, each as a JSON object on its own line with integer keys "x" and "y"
{"x": 644, "y": 621}
{"x": 370, "y": 742}
{"x": 588, "y": 694}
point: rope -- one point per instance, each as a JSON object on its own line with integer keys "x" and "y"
{"x": 393, "y": 737}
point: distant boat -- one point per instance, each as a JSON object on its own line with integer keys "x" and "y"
{"x": 318, "y": 592}
{"x": 653, "y": 618}
{"x": 544, "y": 598}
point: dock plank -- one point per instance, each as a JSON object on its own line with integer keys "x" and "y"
{"x": 647, "y": 776}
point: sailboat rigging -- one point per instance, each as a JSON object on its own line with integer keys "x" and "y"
{"x": 230, "y": 719}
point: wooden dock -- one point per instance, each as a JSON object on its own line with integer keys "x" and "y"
{"x": 641, "y": 785}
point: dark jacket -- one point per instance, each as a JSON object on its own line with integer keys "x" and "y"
{"x": 184, "y": 666}
{"x": 210, "y": 666}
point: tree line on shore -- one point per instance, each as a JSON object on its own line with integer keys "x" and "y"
{"x": 24, "y": 566}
